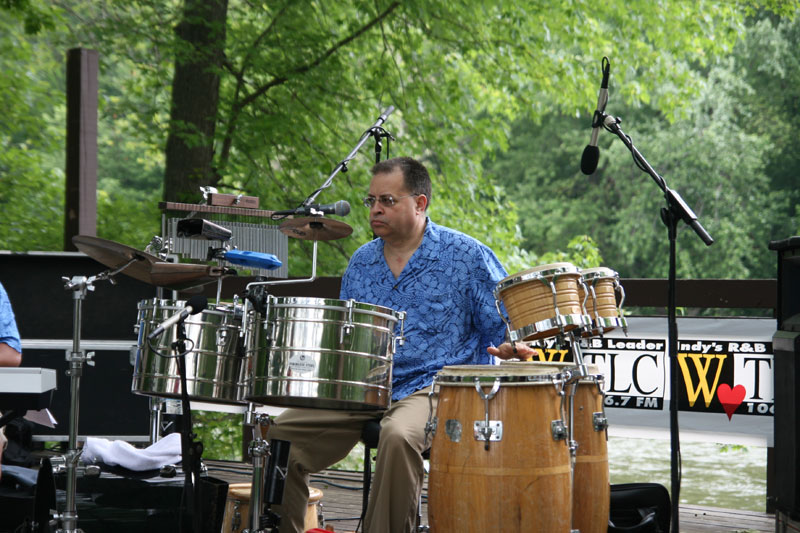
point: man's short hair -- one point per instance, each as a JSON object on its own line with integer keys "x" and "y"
{"x": 415, "y": 176}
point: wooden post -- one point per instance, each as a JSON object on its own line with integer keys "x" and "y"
{"x": 80, "y": 209}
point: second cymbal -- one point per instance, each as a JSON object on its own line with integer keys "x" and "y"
{"x": 315, "y": 229}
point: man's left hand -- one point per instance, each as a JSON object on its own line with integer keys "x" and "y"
{"x": 507, "y": 351}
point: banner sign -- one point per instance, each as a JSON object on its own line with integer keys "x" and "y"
{"x": 725, "y": 366}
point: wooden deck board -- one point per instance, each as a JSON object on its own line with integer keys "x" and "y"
{"x": 342, "y": 497}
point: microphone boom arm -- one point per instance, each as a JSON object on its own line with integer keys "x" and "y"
{"x": 342, "y": 166}
{"x": 675, "y": 203}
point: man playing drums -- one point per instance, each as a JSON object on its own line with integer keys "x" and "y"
{"x": 444, "y": 281}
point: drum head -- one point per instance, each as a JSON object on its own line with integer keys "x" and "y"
{"x": 521, "y": 373}
{"x": 598, "y": 273}
{"x": 547, "y": 366}
{"x": 540, "y": 272}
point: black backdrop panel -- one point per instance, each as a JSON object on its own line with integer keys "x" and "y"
{"x": 107, "y": 405}
{"x": 44, "y": 310}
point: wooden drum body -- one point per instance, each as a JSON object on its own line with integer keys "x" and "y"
{"x": 237, "y": 508}
{"x": 591, "y": 490}
{"x": 519, "y": 482}
{"x": 601, "y": 301}
{"x": 585, "y": 411}
{"x": 543, "y": 301}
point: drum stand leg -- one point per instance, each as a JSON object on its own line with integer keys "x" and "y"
{"x": 156, "y": 409}
{"x": 260, "y": 520}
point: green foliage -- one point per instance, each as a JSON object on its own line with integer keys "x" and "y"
{"x": 220, "y": 433}
{"x": 302, "y": 81}
{"x": 31, "y": 168}
{"x": 721, "y": 156}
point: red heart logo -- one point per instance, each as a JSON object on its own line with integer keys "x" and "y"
{"x": 730, "y": 399}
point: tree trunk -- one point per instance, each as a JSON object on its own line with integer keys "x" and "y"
{"x": 195, "y": 100}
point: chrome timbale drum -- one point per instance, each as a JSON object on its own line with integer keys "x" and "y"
{"x": 321, "y": 353}
{"x": 215, "y": 364}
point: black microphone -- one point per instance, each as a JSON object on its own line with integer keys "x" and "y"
{"x": 591, "y": 154}
{"x": 196, "y": 303}
{"x": 340, "y": 208}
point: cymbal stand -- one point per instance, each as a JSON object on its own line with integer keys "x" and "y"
{"x": 79, "y": 285}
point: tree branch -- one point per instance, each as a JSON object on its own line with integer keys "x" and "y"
{"x": 316, "y": 62}
{"x": 239, "y": 105}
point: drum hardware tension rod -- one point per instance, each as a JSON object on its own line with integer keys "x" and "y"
{"x": 622, "y": 320}
{"x": 560, "y": 320}
{"x": 430, "y": 425}
{"x": 572, "y": 444}
{"x": 489, "y": 428}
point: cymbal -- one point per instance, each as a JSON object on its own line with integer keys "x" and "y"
{"x": 146, "y": 267}
{"x": 315, "y": 229}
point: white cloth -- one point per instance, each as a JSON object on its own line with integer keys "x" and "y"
{"x": 164, "y": 452}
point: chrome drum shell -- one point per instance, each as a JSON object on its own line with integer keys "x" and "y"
{"x": 215, "y": 365}
{"x": 321, "y": 353}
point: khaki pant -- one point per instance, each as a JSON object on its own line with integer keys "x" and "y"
{"x": 320, "y": 438}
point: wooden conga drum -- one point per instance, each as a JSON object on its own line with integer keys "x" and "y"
{"x": 591, "y": 491}
{"x": 521, "y": 482}
{"x": 237, "y": 508}
{"x": 590, "y": 484}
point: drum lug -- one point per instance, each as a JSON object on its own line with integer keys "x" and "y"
{"x": 488, "y": 431}
{"x": 222, "y": 337}
{"x": 401, "y": 340}
{"x": 558, "y": 429}
{"x": 430, "y": 428}
{"x": 600, "y": 421}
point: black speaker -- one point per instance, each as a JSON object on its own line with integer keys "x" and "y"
{"x": 786, "y": 350}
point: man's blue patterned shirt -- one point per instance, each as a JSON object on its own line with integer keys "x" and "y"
{"x": 8, "y": 325}
{"x": 446, "y": 289}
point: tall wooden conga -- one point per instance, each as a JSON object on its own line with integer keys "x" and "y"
{"x": 519, "y": 482}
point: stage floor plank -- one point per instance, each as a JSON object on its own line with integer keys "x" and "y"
{"x": 342, "y": 496}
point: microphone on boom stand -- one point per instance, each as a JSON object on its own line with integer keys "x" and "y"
{"x": 591, "y": 154}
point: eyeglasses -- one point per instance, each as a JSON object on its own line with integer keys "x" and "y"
{"x": 386, "y": 200}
